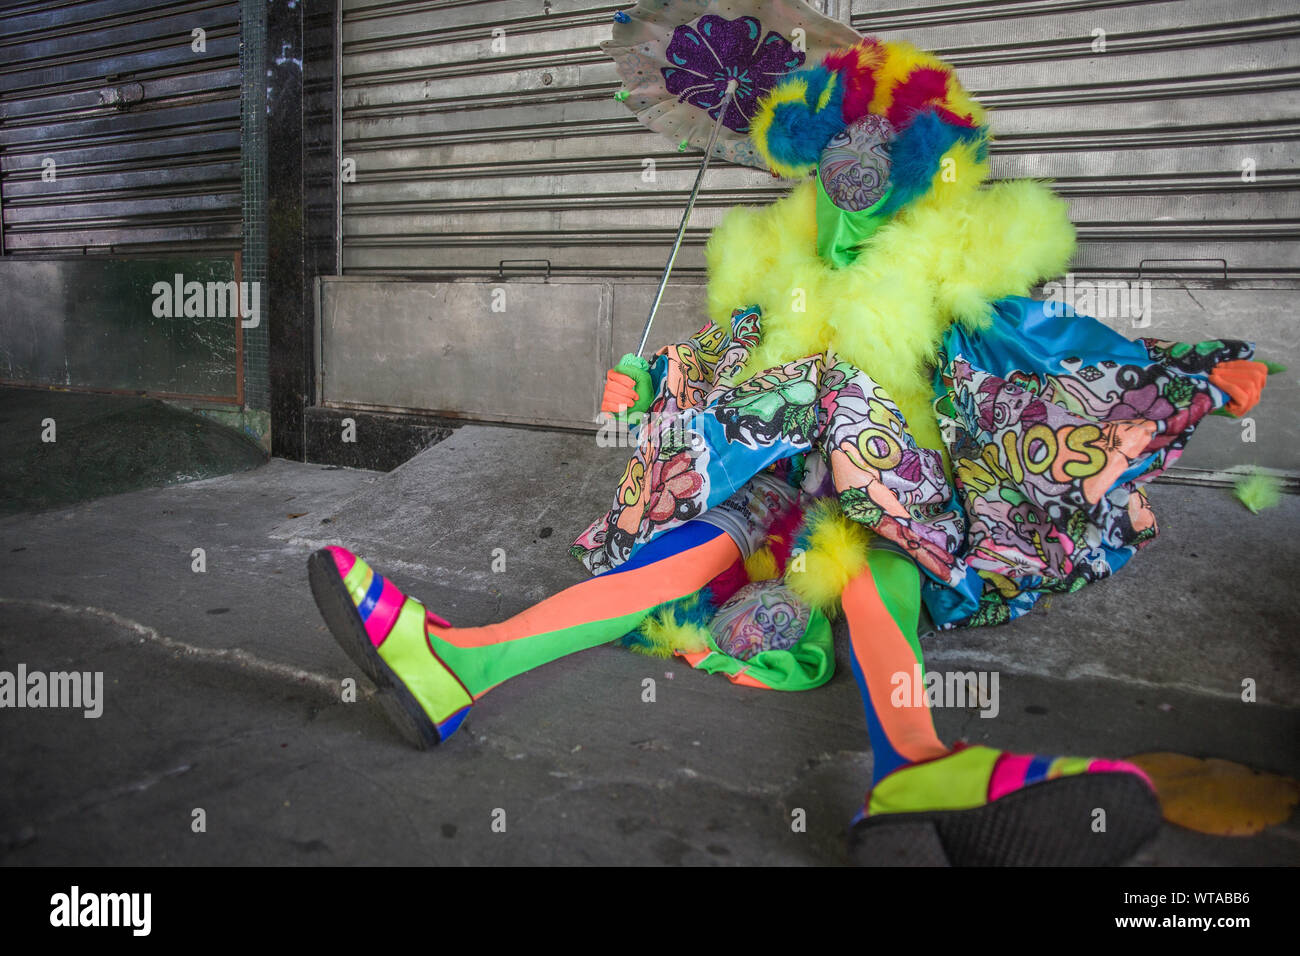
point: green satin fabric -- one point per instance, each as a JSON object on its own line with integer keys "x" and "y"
{"x": 841, "y": 231}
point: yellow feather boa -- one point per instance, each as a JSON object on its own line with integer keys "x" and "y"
{"x": 943, "y": 258}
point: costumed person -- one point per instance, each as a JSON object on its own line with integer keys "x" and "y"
{"x": 875, "y": 420}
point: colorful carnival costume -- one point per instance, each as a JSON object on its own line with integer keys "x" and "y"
{"x": 875, "y": 419}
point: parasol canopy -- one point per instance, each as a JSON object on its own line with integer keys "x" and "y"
{"x": 676, "y": 58}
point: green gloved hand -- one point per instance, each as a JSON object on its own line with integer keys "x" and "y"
{"x": 616, "y": 393}
{"x": 638, "y": 369}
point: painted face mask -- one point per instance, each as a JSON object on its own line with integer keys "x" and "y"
{"x": 853, "y": 184}
{"x": 763, "y": 616}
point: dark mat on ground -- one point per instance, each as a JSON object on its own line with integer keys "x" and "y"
{"x": 105, "y": 445}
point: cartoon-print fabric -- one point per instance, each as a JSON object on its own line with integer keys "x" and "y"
{"x": 703, "y": 437}
{"x": 1049, "y": 422}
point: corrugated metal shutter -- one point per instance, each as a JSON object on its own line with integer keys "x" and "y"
{"x": 144, "y": 130}
{"x": 1147, "y": 139}
{"x": 466, "y": 155}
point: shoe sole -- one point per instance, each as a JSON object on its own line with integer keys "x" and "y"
{"x": 1044, "y": 824}
{"x": 345, "y": 624}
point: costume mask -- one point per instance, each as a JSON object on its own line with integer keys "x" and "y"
{"x": 853, "y": 187}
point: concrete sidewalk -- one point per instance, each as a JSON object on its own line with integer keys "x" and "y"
{"x": 222, "y": 688}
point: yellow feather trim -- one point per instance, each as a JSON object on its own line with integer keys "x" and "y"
{"x": 666, "y": 637}
{"x": 899, "y": 61}
{"x": 836, "y": 553}
{"x": 943, "y": 258}
{"x": 794, "y": 90}
{"x": 761, "y": 565}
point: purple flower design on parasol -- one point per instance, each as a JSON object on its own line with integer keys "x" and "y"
{"x": 714, "y": 50}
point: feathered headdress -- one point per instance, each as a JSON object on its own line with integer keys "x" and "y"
{"x": 934, "y": 117}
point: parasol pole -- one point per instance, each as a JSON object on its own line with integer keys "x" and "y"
{"x": 686, "y": 215}
{"x": 632, "y": 364}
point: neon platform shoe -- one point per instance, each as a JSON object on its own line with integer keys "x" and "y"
{"x": 385, "y": 634}
{"x": 977, "y": 806}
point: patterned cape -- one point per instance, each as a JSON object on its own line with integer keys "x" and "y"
{"x": 1051, "y": 422}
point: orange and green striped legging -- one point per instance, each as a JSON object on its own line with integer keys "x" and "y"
{"x": 883, "y": 607}
{"x": 674, "y": 565}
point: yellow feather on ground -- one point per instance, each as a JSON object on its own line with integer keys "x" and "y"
{"x": 1218, "y": 796}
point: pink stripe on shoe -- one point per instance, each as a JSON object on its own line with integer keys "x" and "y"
{"x": 343, "y": 559}
{"x": 387, "y": 607}
{"x": 1008, "y": 774}
{"x": 1120, "y": 766}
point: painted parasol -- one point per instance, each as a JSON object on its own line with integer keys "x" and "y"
{"x": 675, "y": 58}
{"x": 695, "y": 71}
